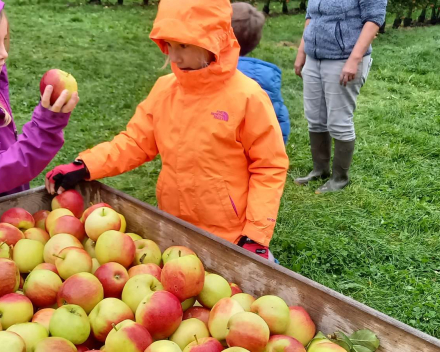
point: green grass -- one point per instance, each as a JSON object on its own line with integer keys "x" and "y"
{"x": 378, "y": 241}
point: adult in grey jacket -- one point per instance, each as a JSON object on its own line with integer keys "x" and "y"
{"x": 334, "y": 60}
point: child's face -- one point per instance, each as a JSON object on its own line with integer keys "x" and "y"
{"x": 3, "y": 38}
{"x": 188, "y": 57}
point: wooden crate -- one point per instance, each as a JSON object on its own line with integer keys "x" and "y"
{"x": 330, "y": 310}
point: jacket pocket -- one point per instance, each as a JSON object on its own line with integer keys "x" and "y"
{"x": 339, "y": 36}
{"x": 227, "y": 202}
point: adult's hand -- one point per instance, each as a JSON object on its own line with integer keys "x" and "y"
{"x": 300, "y": 62}
{"x": 349, "y": 71}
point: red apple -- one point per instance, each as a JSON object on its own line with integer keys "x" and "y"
{"x": 43, "y": 317}
{"x": 235, "y": 289}
{"x": 149, "y": 268}
{"x": 60, "y": 81}
{"x": 89, "y": 210}
{"x": 40, "y": 218}
{"x": 68, "y": 224}
{"x": 55, "y": 214}
{"x": 248, "y": 330}
{"x": 37, "y": 234}
{"x": 128, "y": 336}
{"x": 18, "y": 217}
{"x": 9, "y": 276}
{"x": 200, "y": 313}
{"x": 161, "y": 313}
{"x": 42, "y": 287}
{"x": 282, "y": 343}
{"x": 114, "y": 246}
{"x": 300, "y": 326}
{"x": 55, "y": 344}
{"x": 205, "y": 344}
{"x": 82, "y": 289}
{"x": 47, "y": 266}
{"x": 184, "y": 277}
{"x": 9, "y": 234}
{"x": 113, "y": 277}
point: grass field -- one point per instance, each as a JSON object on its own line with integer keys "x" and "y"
{"x": 378, "y": 241}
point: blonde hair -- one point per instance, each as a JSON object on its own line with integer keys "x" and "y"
{"x": 248, "y": 24}
{"x": 7, "y": 118}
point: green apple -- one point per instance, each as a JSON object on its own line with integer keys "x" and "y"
{"x": 102, "y": 220}
{"x": 95, "y": 265}
{"x": 188, "y": 303}
{"x": 163, "y": 346}
{"x": 134, "y": 236}
{"x": 235, "y": 349}
{"x": 31, "y": 333}
{"x": 14, "y": 309}
{"x": 27, "y": 254}
{"x": 71, "y": 261}
{"x": 245, "y": 300}
{"x": 41, "y": 287}
{"x": 147, "y": 251}
{"x": 325, "y": 346}
{"x": 274, "y": 311}
{"x": 188, "y": 331}
{"x": 55, "y": 344}
{"x": 137, "y": 288}
{"x": 11, "y": 342}
{"x": 108, "y": 312}
{"x": 220, "y": 315}
{"x": 214, "y": 289}
{"x": 89, "y": 246}
{"x": 248, "y": 330}
{"x": 57, "y": 243}
{"x": 128, "y": 336}
{"x": 5, "y": 250}
{"x": 175, "y": 252}
{"x": 71, "y": 323}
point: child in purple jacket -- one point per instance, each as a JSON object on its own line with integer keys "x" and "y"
{"x": 23, "y": 157}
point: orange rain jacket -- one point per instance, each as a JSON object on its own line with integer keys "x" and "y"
{"x": 224, "y": 163}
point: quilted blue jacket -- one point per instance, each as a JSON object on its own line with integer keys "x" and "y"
{"x": 268, "y": 77}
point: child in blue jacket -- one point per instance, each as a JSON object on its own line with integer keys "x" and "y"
{"x": 248, "y": 23}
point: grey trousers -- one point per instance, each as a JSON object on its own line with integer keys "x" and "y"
{"x": 329, "y": 106}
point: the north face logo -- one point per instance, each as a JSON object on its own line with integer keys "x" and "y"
{"x": 220, "y": 115}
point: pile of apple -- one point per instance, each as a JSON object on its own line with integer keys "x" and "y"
{"x": 73, "y": 280}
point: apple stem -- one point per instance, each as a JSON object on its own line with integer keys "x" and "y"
{"x": 180, "y": 254}
{"x": 1, "y": 244}
{"x": 197, "y": 341}
{"x": 114, "y": 326}
{"x": 58, "y": 256}
{"x": 103, "y": 211}
{"x": 143, "y": 258}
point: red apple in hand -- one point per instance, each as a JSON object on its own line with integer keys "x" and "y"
{"x": 60, "y": 81}
{"x": 70, "y": 199}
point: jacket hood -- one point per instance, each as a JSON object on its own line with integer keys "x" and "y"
{"x": 204, "y": 25}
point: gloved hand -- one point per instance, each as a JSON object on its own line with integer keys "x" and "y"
{"x": 254, "y": 247}
{"x": 65, "y": 177}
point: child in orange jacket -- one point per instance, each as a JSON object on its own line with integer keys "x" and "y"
{"x": 224, "y": 163}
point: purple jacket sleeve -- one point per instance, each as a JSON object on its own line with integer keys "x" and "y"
{"x": 40, "y": 141}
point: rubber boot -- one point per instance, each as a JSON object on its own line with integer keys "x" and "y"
{"x": 321, "y": 147}
{"x": 341, "y": 164}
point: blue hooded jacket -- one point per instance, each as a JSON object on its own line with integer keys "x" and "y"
{"x": 268, "y": 77}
